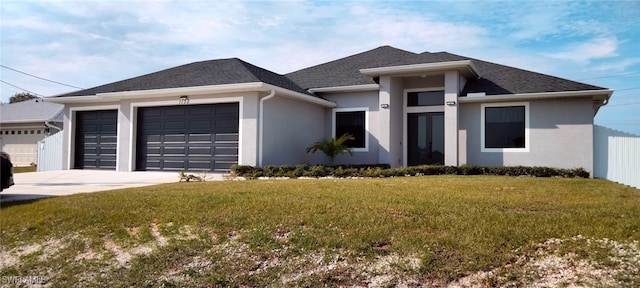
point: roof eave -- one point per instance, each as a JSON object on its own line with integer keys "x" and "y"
{"x": 72, "y": 99}
{"x": 299, "y": 96}
{"x": 349, "y": 88}
{"x": 465, "y": 67}
{"x": 180, "y": 91}
{"x": 27, "y": 121}
{"x": 189, "y": 91}
{"x": 599, "y": 95}
{"x": 155, "y": 93}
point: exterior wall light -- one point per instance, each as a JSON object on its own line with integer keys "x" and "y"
{"x": 451, "y": 103}
{"x": 184, "y": 100}
{"x": 384, "y": 106}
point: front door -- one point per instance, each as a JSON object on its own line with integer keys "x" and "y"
{"x": 425, "y": 138}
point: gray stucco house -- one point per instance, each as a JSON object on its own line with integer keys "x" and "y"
{"x": 402, "y": 107}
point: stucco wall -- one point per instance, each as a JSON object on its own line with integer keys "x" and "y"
{"x": 367, "y": 99}
{"x": 561, "y": 133}
{"x": 290, "y": 126}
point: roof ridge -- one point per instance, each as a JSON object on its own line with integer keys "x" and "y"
{"x": 247, "y": 64}
{"x": 272, "y": 77}
{"x": 353, "y": 56}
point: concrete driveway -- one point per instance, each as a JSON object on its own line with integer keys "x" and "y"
{"x": 37, "y": 185}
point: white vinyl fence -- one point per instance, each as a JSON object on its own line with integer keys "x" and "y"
{"x": 616, "y": 156}
{"x": 50, "y": 153}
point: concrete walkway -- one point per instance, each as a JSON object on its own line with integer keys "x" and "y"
{"x": 35, "y": 185}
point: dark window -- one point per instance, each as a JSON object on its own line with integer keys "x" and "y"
{"x": 504, "y": 127}
{"x": 19, "y": 132}
{"x": 39, "y": 132}
{"x": 352, "y": 123}
{"x": 13, "y": 132}
{"x": 427, "y": 98}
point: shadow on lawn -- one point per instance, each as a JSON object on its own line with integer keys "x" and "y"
{"x": 8, "y": 200}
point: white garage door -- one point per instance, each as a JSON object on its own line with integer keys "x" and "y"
{"x": 22, "y": 144}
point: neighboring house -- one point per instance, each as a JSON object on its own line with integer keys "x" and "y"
{"x": 403, "y": 109}
{"x": 23, "y": 124}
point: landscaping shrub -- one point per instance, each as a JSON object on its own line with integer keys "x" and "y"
{"x": 298, "y": 171}
{"x": 316, "y": 171}
{"x": 383, "y": 170}
{"x": 467, "y": 169}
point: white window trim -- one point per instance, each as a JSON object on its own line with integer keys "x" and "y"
{"x": 526, "y": 127}
{"x": 366, "y": 125}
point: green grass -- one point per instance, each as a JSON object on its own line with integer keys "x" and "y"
{"x": 454, "y": 225}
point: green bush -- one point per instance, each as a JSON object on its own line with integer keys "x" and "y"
{"x": 383, "y": 170}
{"x": 316, "y": 171}
{"x": 298, "y": 171}
{"x": 467, "y": 169}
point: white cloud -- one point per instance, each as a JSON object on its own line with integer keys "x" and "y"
{"x": 587, "y": 51}
{"x": 538, "y": 21}
{"x": 617, "y": 66}
{"x": 96, "y": 42}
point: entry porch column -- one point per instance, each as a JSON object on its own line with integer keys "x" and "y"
{"x": 451, "y": 91}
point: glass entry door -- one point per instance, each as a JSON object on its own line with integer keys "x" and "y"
{"x": 425, "y": 138}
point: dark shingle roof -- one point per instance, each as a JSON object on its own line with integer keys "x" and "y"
{"x": 212, "y": 72}
{"x": 494, "y": 78}
{"x": 346, "y": 71}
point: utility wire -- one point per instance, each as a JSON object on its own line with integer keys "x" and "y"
{"x": 611, "y": 76}
{"x": 5, "y": 82}
{"x": 623, "y": 104}
{"x": 626, "y": 89}
{"x": 39, "y": 77}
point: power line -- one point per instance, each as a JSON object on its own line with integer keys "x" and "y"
{"x": 40, "y": 77}
{"x": 611, "y": 76}
{"x": 34, "y": 93}
{"x": 633, "y": 121}
{"x": 626, "y": 89}
{"x": 623, "y": 104}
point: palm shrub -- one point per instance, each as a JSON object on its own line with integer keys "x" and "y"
{"x": 332, "y": 147}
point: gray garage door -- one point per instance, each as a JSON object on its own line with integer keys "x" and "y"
{"x": 96, "y": 139}
{"x": 190, "y": 138}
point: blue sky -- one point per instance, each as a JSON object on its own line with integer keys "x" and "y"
{"x": 89, "y": 43}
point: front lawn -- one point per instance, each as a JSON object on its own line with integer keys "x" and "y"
{"x": 433, "y": 230}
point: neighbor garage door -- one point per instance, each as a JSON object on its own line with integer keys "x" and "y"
{"x": 188, "y": 138}
{"x": 96, "y": 139}
{"x": 21, "y": 144}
